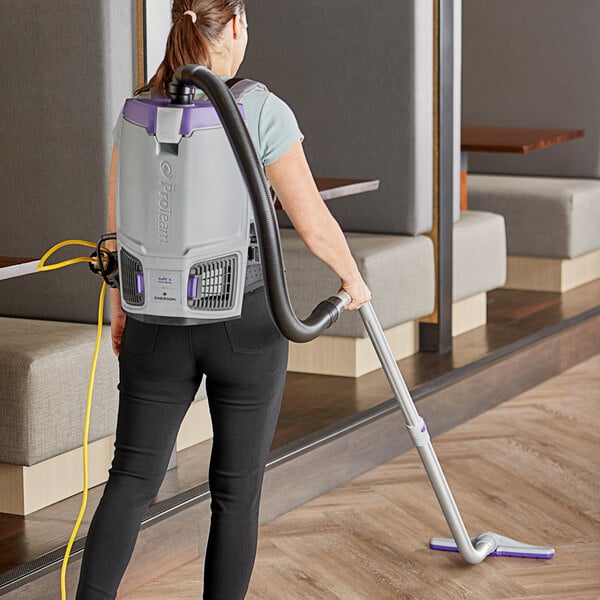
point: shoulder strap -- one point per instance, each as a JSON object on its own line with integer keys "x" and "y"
{"x": 240, "y": 87}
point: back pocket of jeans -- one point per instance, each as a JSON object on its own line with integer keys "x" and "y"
{"x": 138, "y": 337}
{"x": 254, "y": 331}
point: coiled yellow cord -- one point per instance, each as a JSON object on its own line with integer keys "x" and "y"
{"x": 88, "y": 409}
{"x": 82, "y": 259}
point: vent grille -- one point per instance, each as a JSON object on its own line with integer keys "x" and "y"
{"x": 216, "y": 284}
{"x": 128, "y": 269}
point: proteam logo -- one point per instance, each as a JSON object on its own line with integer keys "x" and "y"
{"x": 165, "y": 201}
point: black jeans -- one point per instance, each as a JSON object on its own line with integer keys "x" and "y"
{"x": 161, "y": 367}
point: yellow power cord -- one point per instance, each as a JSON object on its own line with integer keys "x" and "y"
{"x": 43, "y": 267}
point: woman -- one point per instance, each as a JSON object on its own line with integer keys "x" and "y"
{"x": 244, "y": 361}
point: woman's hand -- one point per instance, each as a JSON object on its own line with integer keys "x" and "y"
{"x": 359, "y": 292}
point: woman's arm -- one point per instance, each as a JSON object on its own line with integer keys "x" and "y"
{"x": 117, "y": 324}
{"x": 292, "y": 180}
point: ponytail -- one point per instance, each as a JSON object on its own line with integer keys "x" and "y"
{"x": 189, "y": 39}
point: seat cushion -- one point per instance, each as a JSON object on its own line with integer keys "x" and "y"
{"x": 545, "y": 216}
{"x": 45, "y": 368}
{"x": 479, "y": 254}
{"x": 398, "y": 269}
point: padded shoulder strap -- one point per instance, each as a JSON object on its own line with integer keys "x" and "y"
{"x": 240, "y": 87}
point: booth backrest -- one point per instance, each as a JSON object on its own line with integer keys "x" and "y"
{"x": 534, "y": 64}
{"x": 66, "y": 68}
{"x": 359, "y": 76}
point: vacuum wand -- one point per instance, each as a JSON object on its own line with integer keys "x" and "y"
{"x": 327, "y": 311}
{"x": 474, "y": 549}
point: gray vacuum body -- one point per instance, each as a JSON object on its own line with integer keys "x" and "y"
{"x": 184, "y": 215}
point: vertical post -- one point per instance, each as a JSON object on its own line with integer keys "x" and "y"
{"x": 140, "y": 13}
{"x": 435, "y": 331}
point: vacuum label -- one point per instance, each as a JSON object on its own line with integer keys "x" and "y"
{"x": 165, "y": 201}
{"x": 165, "y": 287}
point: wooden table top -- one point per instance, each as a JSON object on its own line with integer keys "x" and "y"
{"x": 513, "y": 139}
{"x": 332, "y": 187}
{"x": 9, "y": 261}
{"x": 13, "y": 266}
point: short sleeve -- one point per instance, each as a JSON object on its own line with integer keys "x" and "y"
{"x": 278, "y": 129}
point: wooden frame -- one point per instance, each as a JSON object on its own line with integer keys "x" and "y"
{"x": 140, "y": 11}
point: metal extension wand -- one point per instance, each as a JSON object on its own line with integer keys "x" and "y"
{"x": 474, "y": 549}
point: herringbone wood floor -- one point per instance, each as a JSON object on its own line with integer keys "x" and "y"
{"x": 528, "y": 469}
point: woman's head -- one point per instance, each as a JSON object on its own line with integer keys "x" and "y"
{"x": 215, "y": 38}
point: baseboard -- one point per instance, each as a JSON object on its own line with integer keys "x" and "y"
{"x": 355, "y": 357}
{"x": 24, "y": 489}
{"x": 469, "y": 313}
{"x": 350, "y": 357}
{"x": 196, "y": 426}
{"x": 552, "y": 274}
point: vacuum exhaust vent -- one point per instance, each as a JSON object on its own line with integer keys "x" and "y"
{"x": 132, "y": 279}
{"x": 211, "y": 284}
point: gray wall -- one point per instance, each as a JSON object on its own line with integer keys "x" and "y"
{"x": 534, "y": 63}
{"x": 66, "y": 68}
{"x": 359, "y": 77}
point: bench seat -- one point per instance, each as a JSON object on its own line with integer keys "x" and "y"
{"x": 398, "y": 269}
{"x": 45, "y": 368}
{"x": 478, "y": 266}
{"x": 552, "y": 227}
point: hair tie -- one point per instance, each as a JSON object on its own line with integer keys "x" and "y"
{"x": 192, "y": 14}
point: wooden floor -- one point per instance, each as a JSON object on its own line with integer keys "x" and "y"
{"x": 528, "y": 469}
{"x": 314, "y": 405}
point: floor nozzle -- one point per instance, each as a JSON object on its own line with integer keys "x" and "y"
{"x": 505, "y": 546}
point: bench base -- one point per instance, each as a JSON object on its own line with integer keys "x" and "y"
{"x": 354, "y": 357}
{"x": 24, "y": 490}
{"x": 552, "y": 274}
{"x": 469, "y": 313}
{"x": 349, "y": 356}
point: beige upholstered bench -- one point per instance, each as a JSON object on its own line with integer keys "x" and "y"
{"x": 552, "y": 228}
{"x": 399, "y": 270}
{"x": 400, "y": 273}
{"x": 478, "y": 266}
{"x": 44, "y": 367}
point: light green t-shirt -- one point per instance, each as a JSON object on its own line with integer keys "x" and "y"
{"x": 271, "y": 123}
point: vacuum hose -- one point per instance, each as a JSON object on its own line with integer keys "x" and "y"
{"x": 326, "y": 312}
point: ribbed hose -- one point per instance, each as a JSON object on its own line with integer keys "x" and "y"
{"x": 327, "y": 311}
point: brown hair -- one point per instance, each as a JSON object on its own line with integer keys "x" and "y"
{"x": 189, "y": 41}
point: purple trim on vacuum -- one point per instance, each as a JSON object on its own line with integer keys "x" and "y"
{"x": 443, "y": 548}
{"x": 139, "y": 283}
{"x": 192, "y": 287}
{"x": 200, "y": 115}
{"x": 142, "y": 111}
{"x": 514, "y": 554}
{"x": 424, "y": 428}
{"x": 519, "y": 554}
